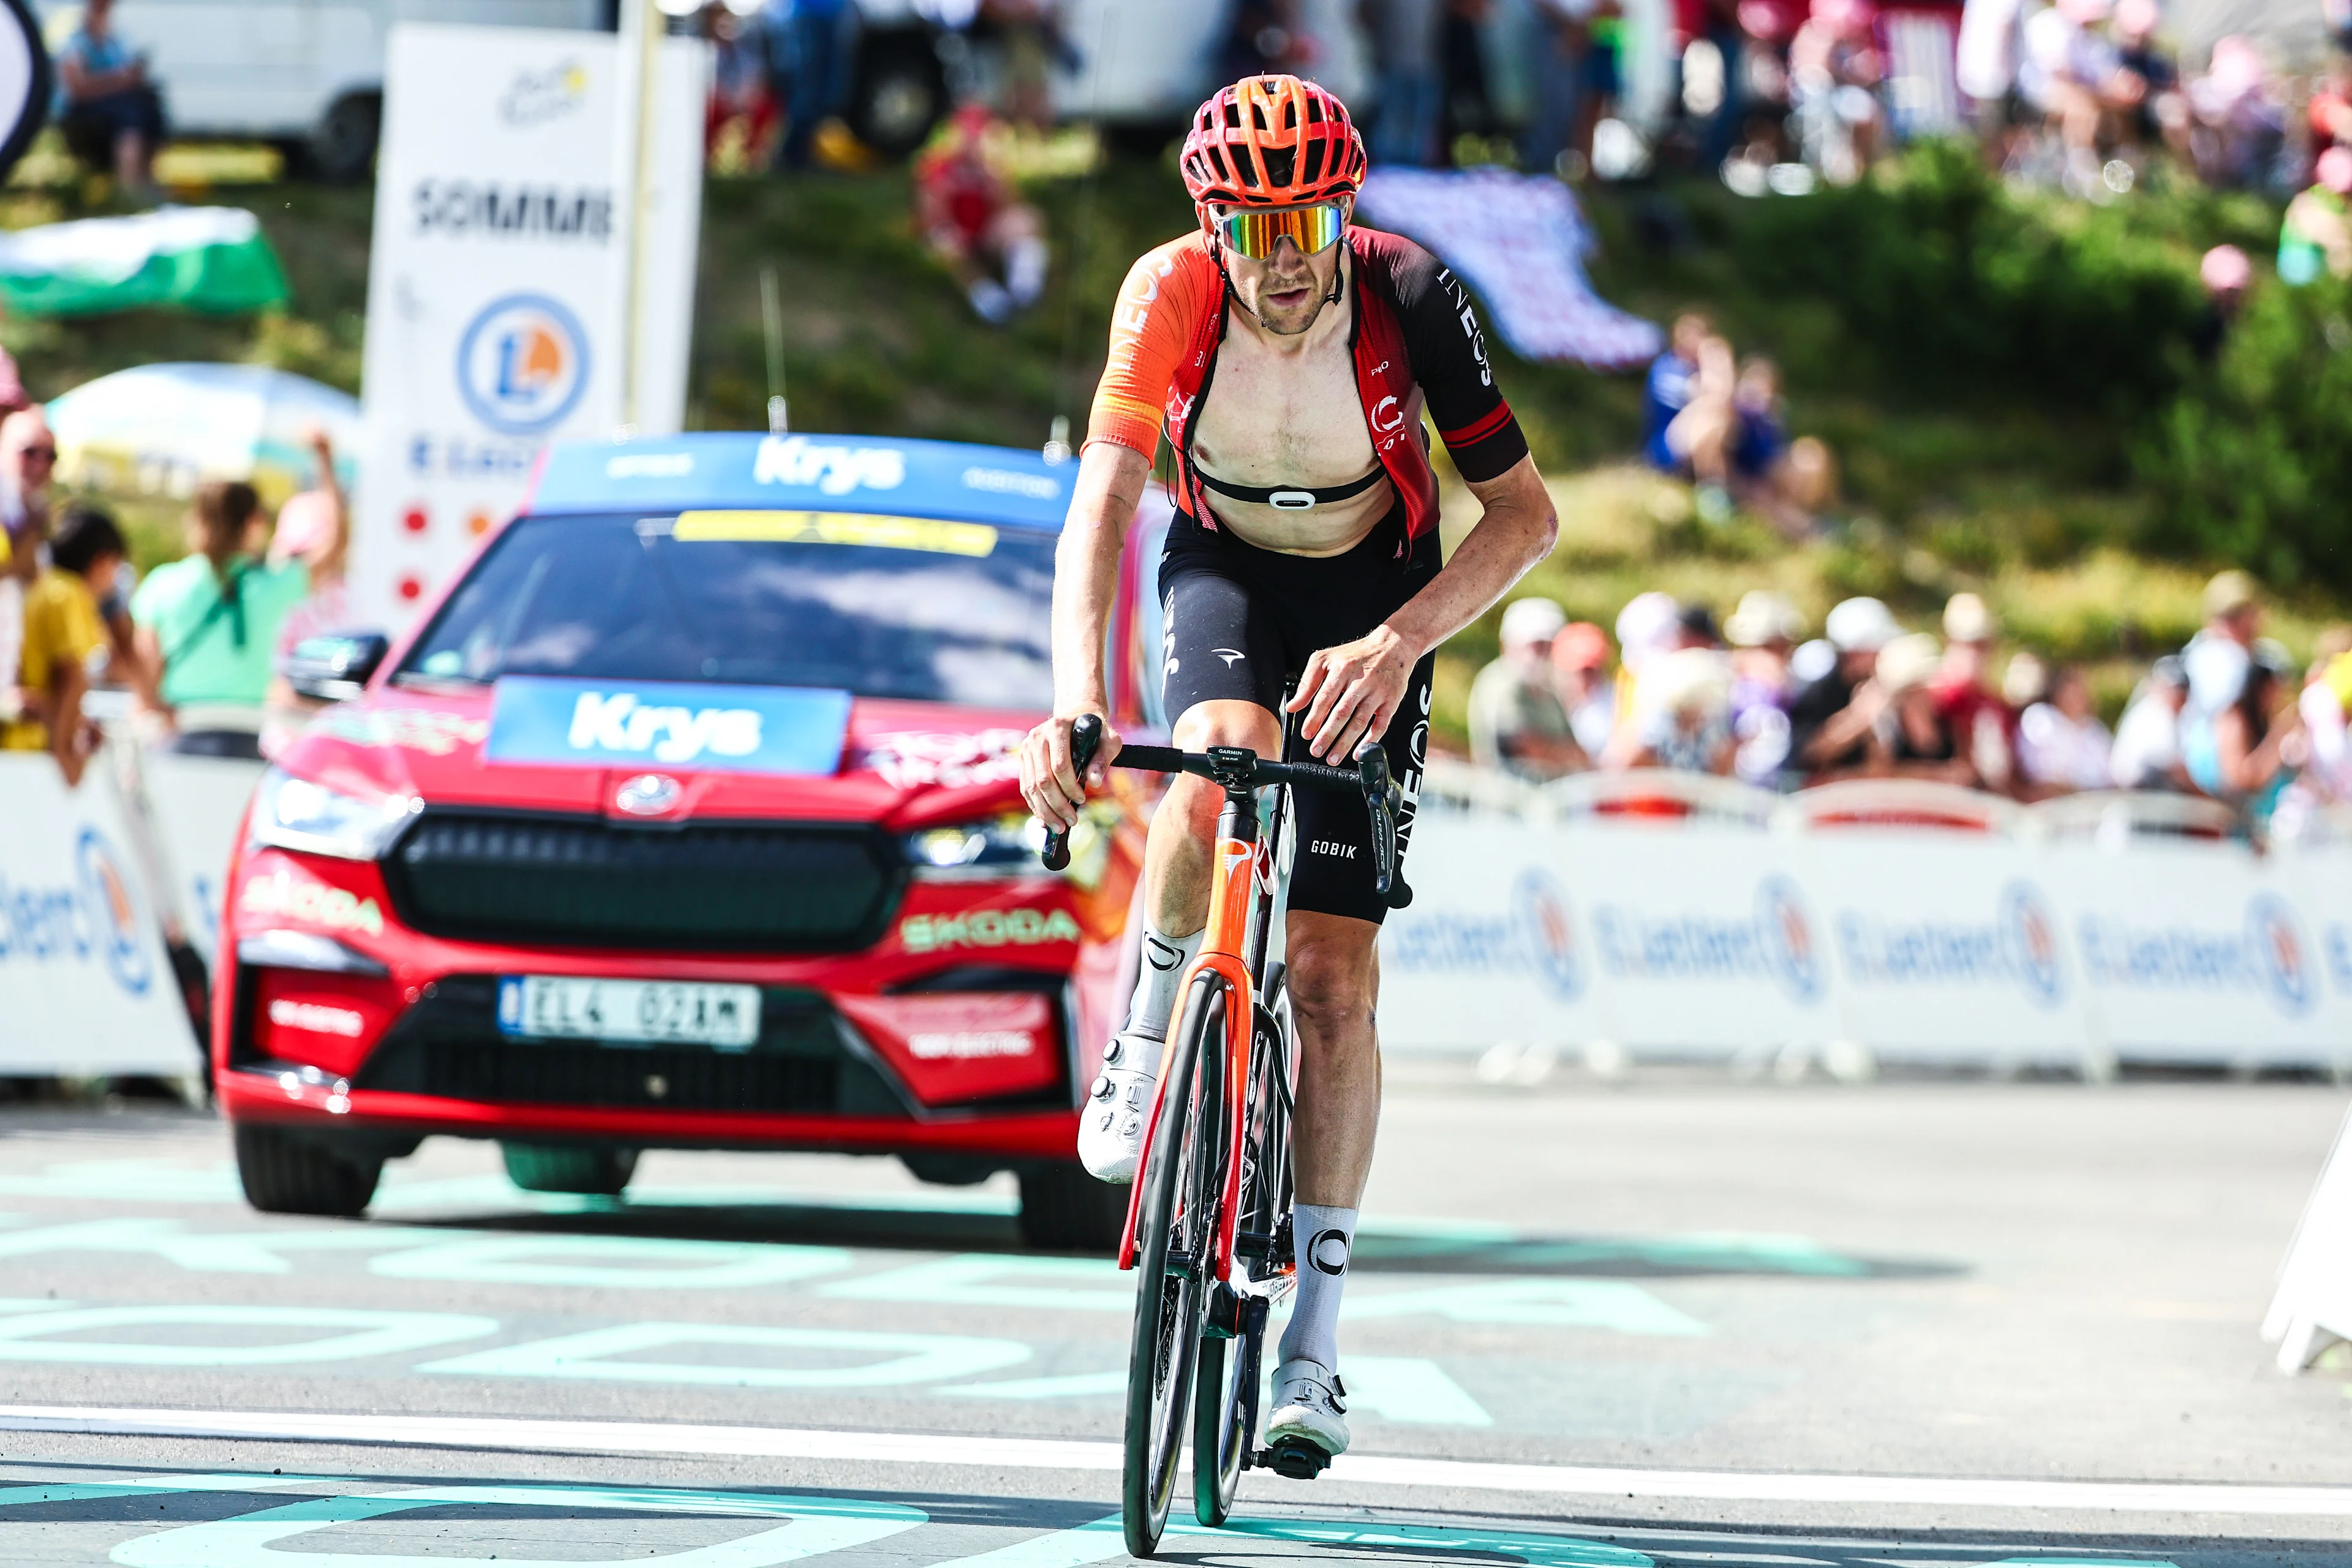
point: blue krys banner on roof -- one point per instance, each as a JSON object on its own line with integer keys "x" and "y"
{"x": 813, "y": 473}
{"x": 675, "y": 724}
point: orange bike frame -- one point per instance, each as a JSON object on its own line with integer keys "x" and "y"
{"x": 1232, "y": 887}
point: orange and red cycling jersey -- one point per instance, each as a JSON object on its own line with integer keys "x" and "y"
{"x": 1416, "y": 341}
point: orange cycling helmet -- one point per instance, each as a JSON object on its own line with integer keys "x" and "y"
{"x": 1272, "y": 141}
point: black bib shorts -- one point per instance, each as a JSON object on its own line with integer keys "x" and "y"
{"x": 1242, "y": 622}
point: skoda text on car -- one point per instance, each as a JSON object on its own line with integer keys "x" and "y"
{"x": 688, "y": 817}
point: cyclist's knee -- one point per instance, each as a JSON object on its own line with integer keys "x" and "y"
{"x": 1330, "y": 975}
{"x": 1226, "y": 722}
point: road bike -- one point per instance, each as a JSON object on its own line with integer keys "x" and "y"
{"x": 1208, "y": 1223}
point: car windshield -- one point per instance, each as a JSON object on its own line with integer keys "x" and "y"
{"x": 881, "y": 606}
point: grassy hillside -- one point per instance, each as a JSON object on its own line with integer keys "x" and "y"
{"x": 1987, "y": 438}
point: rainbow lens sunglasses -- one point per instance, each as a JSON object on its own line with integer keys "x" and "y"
{"x": 1256, "y": 231}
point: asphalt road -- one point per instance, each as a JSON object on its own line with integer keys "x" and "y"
{"x": 1685, "y": 1321}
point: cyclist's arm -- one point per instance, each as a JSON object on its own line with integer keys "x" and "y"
{"x": 1085, "y": 583}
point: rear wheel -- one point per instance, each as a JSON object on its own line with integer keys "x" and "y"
{"x": 1065, "y": 1209}
{"x": 562, "y": 1168}
{"x": 285, "y": 1173}
{"x": 1175, "y": 1238}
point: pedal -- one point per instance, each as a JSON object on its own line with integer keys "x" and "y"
{"x": 1293, "y": 1457}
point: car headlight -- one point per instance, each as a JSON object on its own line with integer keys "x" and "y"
{"x": 291, "y": 813}
{"x": 1003, "y": 846}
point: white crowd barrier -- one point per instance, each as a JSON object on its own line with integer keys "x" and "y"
{"x": 85, "y": 986}
{"x": 1665, "y": 917}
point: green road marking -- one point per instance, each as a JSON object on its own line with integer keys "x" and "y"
{"x": 231, "y": 1252}
{"x": 1431, "y": 1240}
{"x": 25, "y": 1337}
{"x": 1554, "y": 1303}
{"x": 986, "y": 1280}
{"x": 158, "y": 1486}
{"x": 814, "y": 1527}
{"x": 631, "y": 1262}
{"x": 1405, "y": 1389}
{"x": 907, "y": 1358}
{"x": 129, "y": 1180}
{"x": 1103, "y": 1539}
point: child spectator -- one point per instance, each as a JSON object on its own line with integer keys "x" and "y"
{"x": 2146, "y": 750}
{"x": 974, "y": 223}
{"x": 209, "y": 622}
{"x": 2061, "y": 745}
{"x": 63, "y": 637}
{"x": 1516, "y": 722}
{"x": 2316, "y": 235}
{"x": 1787, "y": 482}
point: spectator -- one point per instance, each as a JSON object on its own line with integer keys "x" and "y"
{"x": 2331, "y": 105}
{"x": 1763, "y": 633}
{"x": 104, "y": 100}
{"x": 1693, "y": 422}
{"x": 63, "y": 637}
{"x": 1912, "y": 735}
{"x": 1834, "y": 74}
{"x": 1579, "y": 662}
{"x": 1832, "y": 719}
{"x": 1673, "y": 375}
{"x": 821, "y": 35}
{"x": 1405, "y": 37}
{"x": 1787, "y": 482}
{"x": 314, "y": 529}
{"x": 12, "y": 634}
{"x": 2326, "y": 702}
{"x": 28, "y": 464}
{"x": 1516, "y": 722}
{"x": 744, "y": 112}
{"x": 2235, "y": 129}
{"x": 969, "y": 214}
{"x": 2070, "y": 75}
{"x": 2224, "y": 272}
{"x": 1684, "y": 720}
{"x": 2146, "y": 750}
{"x": 1985, "y": 68}
{"x": 1983, "y": 723}
{"x": 1561, "y": 47}
{"x": 2158, "y": 112}
{"x": 2316, "y": 235}
{"x": 2060, "y": 744}
{"x": 209, "y": 623}
{"x": 1262, "y": 36}
{"x": 1649, "y": 624}
{"x": 1028, "y": 42}
{"x": 2227, "y": 737}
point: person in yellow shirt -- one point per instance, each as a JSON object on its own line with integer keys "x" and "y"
{"x": 62, "y": 631}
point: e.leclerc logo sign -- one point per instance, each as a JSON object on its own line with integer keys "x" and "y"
{"x": 96, "y": 917}
{"x": 522, "y": 364}
{"x": 716, "y": 729}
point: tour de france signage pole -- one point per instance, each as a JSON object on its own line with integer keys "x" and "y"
{"x": 531, "y": 276}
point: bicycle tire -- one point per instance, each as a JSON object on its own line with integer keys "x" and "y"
{"x": 1225, "y": 1388}
{"x": 1171, "y": 1306}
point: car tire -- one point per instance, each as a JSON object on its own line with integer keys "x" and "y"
{"x": 567, "y": 1168}
{"x": 1064, "y": 1209}
{"x": 901, "y": 93}
{"x": 342, "y": 147}
{"x": 286, "y": 1173}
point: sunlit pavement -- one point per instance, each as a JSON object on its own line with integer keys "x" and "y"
{"x": 1688, "y": 1320}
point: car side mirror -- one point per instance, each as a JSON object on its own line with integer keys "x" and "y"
{"x": 335, "y": 667}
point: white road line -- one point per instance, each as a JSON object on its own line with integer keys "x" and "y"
{"x": 495, "y": 1433}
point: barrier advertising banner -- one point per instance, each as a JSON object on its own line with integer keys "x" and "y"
{"x": 85, "y": 987}
{"x": 1959, "y": 958}
{"x": 197, "y": 803}
{"x": 500, "y": 279}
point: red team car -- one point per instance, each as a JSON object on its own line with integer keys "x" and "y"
{"x": 687, "y": 817}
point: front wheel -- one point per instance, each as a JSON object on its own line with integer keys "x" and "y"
{"x": 1176, "y": 1239}
{"x": 1224, "y": 1416}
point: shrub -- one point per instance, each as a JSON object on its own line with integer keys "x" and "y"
{"x": 2252, "y": 463}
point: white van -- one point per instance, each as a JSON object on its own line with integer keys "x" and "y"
{"x": 306, "y": 74}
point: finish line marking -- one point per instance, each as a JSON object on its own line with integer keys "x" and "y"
{"x": 495, "y": 1433}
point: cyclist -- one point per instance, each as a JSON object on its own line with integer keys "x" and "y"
{"x": 1287, "y": 356}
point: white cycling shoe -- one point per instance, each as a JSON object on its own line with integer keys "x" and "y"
{"x": 1308, "y": 1401}
{"x": 1110, "y": 1130}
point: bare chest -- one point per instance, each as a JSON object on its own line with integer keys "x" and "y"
{"x": 1277, "y": 419}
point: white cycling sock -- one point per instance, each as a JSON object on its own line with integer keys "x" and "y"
{"x": 1322, "y": 1238}
{"x": 1165, "y": 958}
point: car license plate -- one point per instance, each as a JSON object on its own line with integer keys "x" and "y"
{"x": 665, "y": 1011}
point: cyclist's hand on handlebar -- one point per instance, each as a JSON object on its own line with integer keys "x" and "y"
{"x": 1048, "y": 782}
{"x": 1351, "y": 693}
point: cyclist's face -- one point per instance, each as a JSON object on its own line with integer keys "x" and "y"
{"x": 1285, "y": 291}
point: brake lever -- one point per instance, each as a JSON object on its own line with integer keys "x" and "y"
{"x": 1382, "y": 799}
{"x": 1085, "y": 740}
